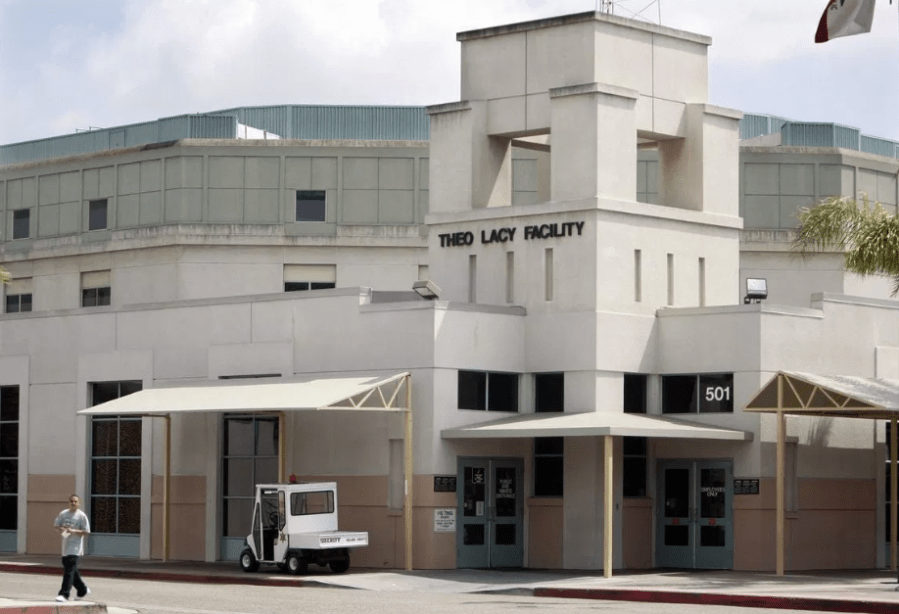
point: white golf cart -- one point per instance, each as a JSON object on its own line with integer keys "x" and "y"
{"x": 295, "y": 525}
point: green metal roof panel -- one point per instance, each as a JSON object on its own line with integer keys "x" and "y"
{"x": 327, "y": 122}
{"x": 287, "y": 121}
{"x": 881, "y": 147}
{"x": 804, "y": 134}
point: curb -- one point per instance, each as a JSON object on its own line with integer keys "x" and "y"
{"x": 748, "y": 601}
{"x": 188, "y": 578}
{"x": 88, "y": 608}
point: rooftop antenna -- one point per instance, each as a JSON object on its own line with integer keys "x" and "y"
{"x": 608, "y": 7}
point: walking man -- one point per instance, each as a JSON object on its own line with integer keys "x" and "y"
{"x": 73, "y": 525}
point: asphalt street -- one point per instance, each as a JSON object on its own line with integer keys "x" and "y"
{"x": 128, "y": 596}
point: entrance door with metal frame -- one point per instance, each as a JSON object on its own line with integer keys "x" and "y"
{"x": 695, "y": 515}
{"x": 490, "y": 513}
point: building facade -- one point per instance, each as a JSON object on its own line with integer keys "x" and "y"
{"x": 590, "y": 224}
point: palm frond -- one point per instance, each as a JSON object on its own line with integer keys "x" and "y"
{"x": 867, "y": 235}
{"x": 4, "y": 276}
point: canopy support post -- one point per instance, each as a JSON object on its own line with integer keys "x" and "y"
{"x": 407, "y": 472}
{"x": 781, "y": 441}
{"x": 282, "y": 425}
{"x": 166, "y": 485}
{"x": 894, "y": 512}
{"x": 608, "y": 521}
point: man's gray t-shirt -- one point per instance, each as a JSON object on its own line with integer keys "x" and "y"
{"x": 67, "y": 519}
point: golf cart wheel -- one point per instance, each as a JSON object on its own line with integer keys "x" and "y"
{"x": 339, "y": 565}
{"x": 248, "y": 562}
{"x": 297, "y": 565}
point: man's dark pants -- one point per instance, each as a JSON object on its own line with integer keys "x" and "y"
{"x": 71, "y": 577}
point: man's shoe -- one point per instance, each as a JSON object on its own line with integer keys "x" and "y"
{"x": 86, "y": 592}
{"x": 61, "y": 598}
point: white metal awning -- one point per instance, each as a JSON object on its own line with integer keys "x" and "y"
{"x": 360, "y": 392}
{"x": 593, "y": 424}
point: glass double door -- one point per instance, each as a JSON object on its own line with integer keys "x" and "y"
{"x": 695, "y": 523}
{"x": 490, "y": 513}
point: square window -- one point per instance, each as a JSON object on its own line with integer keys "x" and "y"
{"x": 679, "y": 394}
{"x": 21, "y": 224}
{"x": 310, "y": 206}
{"x": 502, "y": 391}
{"x": 472, "y": 390}
{"x": 97, "y": 212}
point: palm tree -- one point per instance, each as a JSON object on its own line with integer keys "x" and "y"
{"x": 4, "y": 276}
{"x": 867, "y": 234}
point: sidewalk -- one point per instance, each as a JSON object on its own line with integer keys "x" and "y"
{"x": 834, "y": 591}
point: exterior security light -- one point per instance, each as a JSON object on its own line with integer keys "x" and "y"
{"x": 427, "y": 289}
{"x": 756, "y": 290}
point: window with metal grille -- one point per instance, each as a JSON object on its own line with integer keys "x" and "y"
{"x": 115, "y": 463}
{"x": 250, "y": 457}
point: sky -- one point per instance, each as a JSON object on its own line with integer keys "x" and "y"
{"x": 68, "y": 65}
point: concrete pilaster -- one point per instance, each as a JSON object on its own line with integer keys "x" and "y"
{"x": 594, "y": 142}
{"x": 699, "y": 172}
{"x": 468, "y": 168}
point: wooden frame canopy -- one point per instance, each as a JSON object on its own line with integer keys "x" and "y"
{"x": 837, "y": 396}
{"x": 339, "y": 393}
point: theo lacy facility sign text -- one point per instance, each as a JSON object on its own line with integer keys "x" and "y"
{"x": 506, "y": 234}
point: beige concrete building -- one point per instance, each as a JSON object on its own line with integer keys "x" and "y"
{"x": 590, "y": 223}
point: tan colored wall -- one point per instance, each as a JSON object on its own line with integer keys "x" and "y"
{"x": 545, "y": 528}
{"x": 362, "y": 504}
{"x": 47, "y": 496}
{"x": 187, "y": 520}
{"x": 636, "y": 533}
{"x": 833, "y": 526}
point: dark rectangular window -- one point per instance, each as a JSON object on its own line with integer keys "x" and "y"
{"x": 635, "y": 448}
{"x": 115, "y": 463}
{"x": 488, "y": 391}
{"x": 705, "y": 393}
{"x": 9, "y": 457}
{"x": 549, "y": 452}
{"x": 295, "y": 286}
{"x": 250, "y": 458}
{"x": 21, "y": 223}
{"x": 310, "y": 206}
{"x": 16, "y": 303}
{"x": 95, "y": 297}
{"x": 472, "y": 390}
{"x": 97, "y": 214}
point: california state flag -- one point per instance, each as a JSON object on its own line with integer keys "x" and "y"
{"x": 845, "y": 18}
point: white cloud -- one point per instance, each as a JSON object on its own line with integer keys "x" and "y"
{"x": 169, "y": 57}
